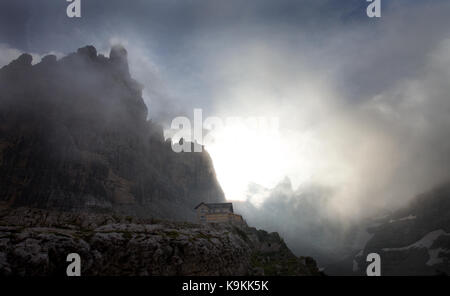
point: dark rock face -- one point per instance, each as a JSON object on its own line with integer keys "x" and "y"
{"x": 37, "y": 242}
{"x": 74, "y": 136}
{"x": 414, "y": 240}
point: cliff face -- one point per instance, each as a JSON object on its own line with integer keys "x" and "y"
{"x": 37, "y": 242}
{"x": 74, "y": 136}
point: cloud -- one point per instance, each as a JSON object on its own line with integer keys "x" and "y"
{"x": 351, "y": 106}
{"x": 363, "y": 113}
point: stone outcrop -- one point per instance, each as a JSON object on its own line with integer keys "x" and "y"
{"x": 74, "y": 136}
{"x": 37, "y": 242}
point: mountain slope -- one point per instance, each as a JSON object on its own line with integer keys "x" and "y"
{"x": 414, "y": 240}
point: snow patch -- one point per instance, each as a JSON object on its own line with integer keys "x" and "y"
{"x": 426, "y": 242}
{"x": 410, "y": 217}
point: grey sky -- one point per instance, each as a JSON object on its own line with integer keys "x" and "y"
{"x": 178, "y": 34}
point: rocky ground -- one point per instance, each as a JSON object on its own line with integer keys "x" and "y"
{"x": 37, "y": 242}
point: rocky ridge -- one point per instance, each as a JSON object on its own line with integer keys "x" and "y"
{"x": 37, "y": 242}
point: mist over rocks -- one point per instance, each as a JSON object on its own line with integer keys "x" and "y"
{"x": 411, "y": 240}
{"x": 74, "y": 136}
{"x": 305, "y": 219}
{"x": 414, "y": 240}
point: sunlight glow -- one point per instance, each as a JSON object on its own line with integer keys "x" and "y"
{"x": 243, "y": 154}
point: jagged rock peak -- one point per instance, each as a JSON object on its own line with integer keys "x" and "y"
{"x": 118, "y": 52}
{"x": 24, "y": 60}
{"x": 51, "y": 58}
{"x": 88, "y": 51}
{"x": 118, "y": 56}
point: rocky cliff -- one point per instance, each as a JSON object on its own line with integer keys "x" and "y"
{"x": 37, "y": 242}
{"x": 74, "y": 136}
